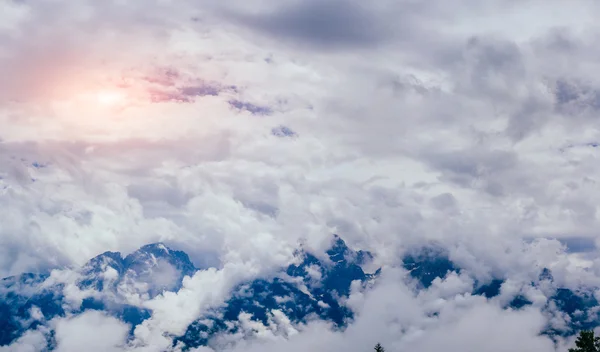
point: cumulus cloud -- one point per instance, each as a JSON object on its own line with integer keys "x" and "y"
{"x": 90, "y": 331}
{"x": 468, "y": 124}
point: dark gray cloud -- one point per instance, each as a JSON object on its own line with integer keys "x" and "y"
{"x": 579, "y": 244}
{"x": 573, "y": 98}
{"x": 323, "y": 24}
{"x": 472, "y": 167}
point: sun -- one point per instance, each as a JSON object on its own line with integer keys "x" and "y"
{"x": 109, "y": 98}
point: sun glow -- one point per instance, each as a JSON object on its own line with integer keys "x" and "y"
{"x": 109, "y": 98}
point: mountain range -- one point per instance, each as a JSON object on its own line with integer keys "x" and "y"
{"x": 313, "y": 287}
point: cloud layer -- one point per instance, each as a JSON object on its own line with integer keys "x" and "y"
{"x": 244, "y": 129}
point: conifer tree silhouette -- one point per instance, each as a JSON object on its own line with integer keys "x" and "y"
{"x": 586, "y": 342}
{"x": 379, "y": 348}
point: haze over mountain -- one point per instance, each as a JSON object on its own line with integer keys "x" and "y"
{"x": 172, "y": 174}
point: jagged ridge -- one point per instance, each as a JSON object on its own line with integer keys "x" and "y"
{"x": 313, "y": 288}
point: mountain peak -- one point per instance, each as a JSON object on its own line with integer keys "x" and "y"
{"x": 155, "y": 251}
{"x": 427, "y": 263}
{"x": 155, "y": 247}
{"x": 338, "y": 251}
{"x": 159, "y": 266}
{"x": 113, "y": 259}
{"x": 95, "y": 270}
{"x": 546, "y": 274}
{"x": 156, "y": 265}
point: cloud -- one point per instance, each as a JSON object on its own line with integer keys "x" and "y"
{"x": 90, "y": 331}
{"x": 470, "y": 125}
{"x": 31, "y": 341}
{"x": 253, "y": 109}
{"x": 391, "y": 314}
{"x": 322, "y": 24}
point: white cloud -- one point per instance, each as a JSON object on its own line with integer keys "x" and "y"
{"x": 393, "y": 315}
{"x": 430, "y": 121}
{"x": 90, "y": 331}
{"x": 31, "y": 341}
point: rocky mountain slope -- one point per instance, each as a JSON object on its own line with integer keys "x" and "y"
{"x": 311, "y": 288}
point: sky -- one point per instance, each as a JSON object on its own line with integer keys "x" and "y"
{"x": 236, "y": 130}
